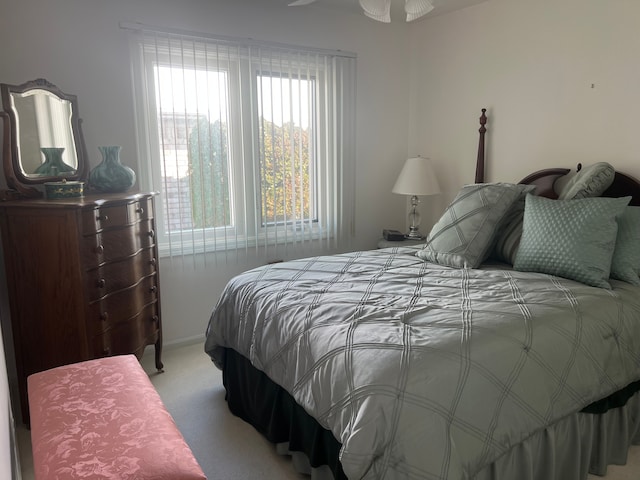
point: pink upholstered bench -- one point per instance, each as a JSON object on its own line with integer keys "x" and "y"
{"x": 104, "y": 419}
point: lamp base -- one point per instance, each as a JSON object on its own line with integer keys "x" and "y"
{"x": 414, "y": 234}
{"x": 414, "y": 237}
{"x": 414, "y": 221}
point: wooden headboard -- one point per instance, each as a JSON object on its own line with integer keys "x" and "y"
{"x": 623, "y": 184}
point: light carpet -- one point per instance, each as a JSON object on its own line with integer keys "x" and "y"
{"x": 226, "y": 447}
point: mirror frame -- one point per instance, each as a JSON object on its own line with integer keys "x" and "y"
{"x": 21, "y": 184}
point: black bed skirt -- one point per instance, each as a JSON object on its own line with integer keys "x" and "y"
{"x": 252, "y": 396}
{"x": 615, "y": 400}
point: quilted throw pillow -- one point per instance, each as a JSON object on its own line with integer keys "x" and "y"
{"x": 573, "y": 239}
{"x": 590, "y": 181}
{"x": 625, "y": 264}
{"x": 465, "y": 233}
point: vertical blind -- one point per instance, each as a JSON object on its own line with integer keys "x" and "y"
{"x": 251, "y": 145}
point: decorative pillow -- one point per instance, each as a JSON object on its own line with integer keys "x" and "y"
{"x": 590, "y": 181}
{"x": 510, "y": 230}
{"x": 574, "y": 239}
{"x": 465, "y": 233}
{"x": 625, "y": 264}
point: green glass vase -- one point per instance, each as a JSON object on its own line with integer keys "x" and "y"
{"x": 110, "y": 175}
{"x": 53, "y": 164}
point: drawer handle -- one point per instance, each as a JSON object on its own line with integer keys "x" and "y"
{"x": 104, "y": 316}
{"x": 155, "y": 319}
{"x": 153, "y": 262}
{"x": 151, "y": 234}
{"x": 140, "y": 210}
{"x": 102, "y": 218}
{"x": 153, "y": 289}
{"x": 101, "y": 283}
{"x": 100, "y": 249}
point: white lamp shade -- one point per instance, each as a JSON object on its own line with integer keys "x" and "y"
{"x": 417, "y": 178}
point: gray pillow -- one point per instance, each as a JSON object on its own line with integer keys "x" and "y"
{"x": 573, "y": 239}
{"x": 625, "y": 264}
{"x": 465, "y": 233}
{"x": 508, "y": 238}
{"x": 508, "y": 233}
{"x": 590, "y": 181}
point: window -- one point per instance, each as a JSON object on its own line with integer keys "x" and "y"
{"x": 249, "y": 144}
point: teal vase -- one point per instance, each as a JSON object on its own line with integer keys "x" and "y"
{"x": 111, "y": 176}
{"x": 53, "y": 164}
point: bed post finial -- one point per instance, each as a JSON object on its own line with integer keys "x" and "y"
{"x": 480, "y": 159}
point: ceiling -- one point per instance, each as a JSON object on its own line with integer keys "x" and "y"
{"x": 397, "y": 6}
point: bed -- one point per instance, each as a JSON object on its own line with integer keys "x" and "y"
{"x": 507, "y": 346}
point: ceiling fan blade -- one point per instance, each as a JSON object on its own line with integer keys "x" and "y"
{"x": 417, "y": 8}
{"x": 379, "y": 10}
{"x": 298, "y": 3}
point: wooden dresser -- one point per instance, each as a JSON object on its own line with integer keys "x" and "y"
{"x": 82, "y": 276}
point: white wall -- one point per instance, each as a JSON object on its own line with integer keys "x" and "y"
{"x": 532, "y": 64}
{"x": 9, "y": 466}
{"x": 78, "y": 45}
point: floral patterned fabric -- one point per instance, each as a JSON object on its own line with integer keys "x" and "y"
{"x": 103, "y": 419}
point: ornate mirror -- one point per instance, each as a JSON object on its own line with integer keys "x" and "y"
{"x": 43, "y": 139}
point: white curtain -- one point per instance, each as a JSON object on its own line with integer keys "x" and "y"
{"x": 251, "y": 145}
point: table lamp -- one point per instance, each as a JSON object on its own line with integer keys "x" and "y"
{"x": 416, "y": 178}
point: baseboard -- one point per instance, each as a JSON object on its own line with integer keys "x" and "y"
{"x": 182, "y": 342}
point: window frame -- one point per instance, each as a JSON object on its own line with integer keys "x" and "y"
{"x": 332, "y": 173}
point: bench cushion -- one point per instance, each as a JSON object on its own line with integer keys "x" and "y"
{"x": 104, "y": 419}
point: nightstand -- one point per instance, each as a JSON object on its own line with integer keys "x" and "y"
{"x": 382, "y": 243}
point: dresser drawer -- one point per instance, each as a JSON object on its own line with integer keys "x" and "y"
{"x": 117, "y": 244}
{"x": 113, "y": 216}
{"x": 130, "y": 337}
{"x": 121, "y": 306}
{"x": 120, "y": 274}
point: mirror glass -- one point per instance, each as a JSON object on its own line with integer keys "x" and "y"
{"x": 43, "y": 121}
{"x": 42, "y": 138}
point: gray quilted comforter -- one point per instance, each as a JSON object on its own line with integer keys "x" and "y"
{"x": 423, "y": 371}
